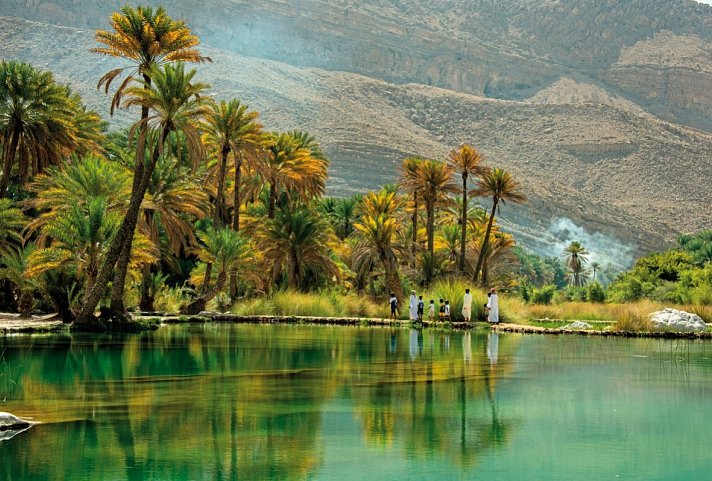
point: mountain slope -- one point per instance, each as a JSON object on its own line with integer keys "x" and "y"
{"x": 624, "y": 175}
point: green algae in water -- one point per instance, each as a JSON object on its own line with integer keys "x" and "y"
{"x": 253, "y": 402}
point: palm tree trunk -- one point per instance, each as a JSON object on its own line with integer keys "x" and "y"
{"x": 123, "y": 235}
{"x": 220, "y": 197}
{"x": 145, "y": 302}
{"x": 430, "y": 206}
{"x": 463, "y": 218}
{"x": 485, "y": 243}
{"x": 272, "y": 198}
{"x": 118, "y": 286}
{"x": 390, "y": 266}
{"x": 415, "y": 223}
{"x": 206, "y": 278}
{"x": 238, "y": 200}
{"x": 8, "y": 160}
{"x": 199, "y": 304}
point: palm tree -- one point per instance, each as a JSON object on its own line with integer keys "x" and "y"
{"x": 11, "y": 223}
{"x": 499, "y": 185}
{"x": 576, "y": 259}
{"x": 595, "y": 267}
{"x": 36, "y": 120}
{"x": 231, "y": 128}
{"x": 298, "y": 242}
{"x": 376, "y": 232}
{"x": 466, "y": 161}
{"x": 13, "y": 265}
{"x": 290, "y": 167}
{"x": 176, "y": 105}
{"x": 227, "y": 251}
{"x": 173, "y": 202}
{"x": 80, "y": 236}
{"x": 408, "y": 181}
{"x": 433, "y": 182}
{"x": 147, "y": 38}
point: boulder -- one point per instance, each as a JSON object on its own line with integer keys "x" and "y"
{"x": 10, "y": 421}
{"x": 577, "y": 325}
{"x": 675, "y": 320}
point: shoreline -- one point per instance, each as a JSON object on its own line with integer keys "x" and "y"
{"x": 48, "y": 324}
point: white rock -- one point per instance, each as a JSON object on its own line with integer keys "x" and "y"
{"x": 577, "y": 325}
{"x": 674, "y": 320}
{"x": 10, "y": 421}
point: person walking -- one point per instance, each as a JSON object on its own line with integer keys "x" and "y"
{"x": 493, "y": 306}
{"x": 421, "y": 308}
{"x": 467, "y": 306}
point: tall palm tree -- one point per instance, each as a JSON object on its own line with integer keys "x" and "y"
{"x": 36, "y": 120}
{"x": 376, "y": 232}
{"x": 231, "y": 128}
{"x": 298, "y": 242}
{"x": 176, "y": 105}
{"x": 595, "y": 267}
{"x": 499, "y": 185}
{"x": 576, "y": 259}
{"x": 466, "y": 161}
{"x": 148, "y": 39}
{"x": 433, "y": 181}
{"x": 408, "y": 181}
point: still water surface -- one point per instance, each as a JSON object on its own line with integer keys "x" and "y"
{"x": 247, "y": 402}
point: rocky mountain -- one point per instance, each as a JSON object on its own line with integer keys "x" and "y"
{"x": 595, "y": 121}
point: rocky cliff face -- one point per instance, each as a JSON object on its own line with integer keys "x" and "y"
{"x": 502, "y": 49}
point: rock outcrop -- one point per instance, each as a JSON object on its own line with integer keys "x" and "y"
{"x": 675, "y": 320}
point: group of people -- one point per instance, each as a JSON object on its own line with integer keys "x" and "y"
{"x": 416, "y": 307}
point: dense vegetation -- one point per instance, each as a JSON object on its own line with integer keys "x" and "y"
{"x": 198, "y": 204}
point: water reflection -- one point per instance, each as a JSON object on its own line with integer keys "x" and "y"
{"x": 225, "y": 402}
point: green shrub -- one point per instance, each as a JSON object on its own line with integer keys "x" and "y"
{"x": 595, "y": 292}
{"x": 543, "y": 295}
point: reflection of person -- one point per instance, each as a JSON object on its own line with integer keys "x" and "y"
{"x": 393, "y": 344}
{"x": 413, "y": 347}
{"x": 492, "y": 347}
{"x": 467, "y": 347}
{"x": 413, "y": 305}
{"x": 421, "y": 308}
{"x": 467, "y": 306}
{"x": 394, "y": 306}
{"x": 493, "y": 305}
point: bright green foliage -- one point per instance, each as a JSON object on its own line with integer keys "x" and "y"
{"x": 543, "y": 295}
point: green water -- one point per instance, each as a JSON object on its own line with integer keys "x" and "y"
{"x": 229, "y": 402}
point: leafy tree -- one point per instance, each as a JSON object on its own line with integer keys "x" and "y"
{"x": 13, "y": 265}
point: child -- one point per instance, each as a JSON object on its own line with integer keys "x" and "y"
{"x": 447, "y": 311}
{"x": 421, "y": 308}
{"x": 486, "y": 312}
{"x": 394, "y": 306}
{"x": 441, "y": 310}
{"x": 431, "y": 311}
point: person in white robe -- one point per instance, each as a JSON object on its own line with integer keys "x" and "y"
{"x": 493, "y": 306}
{"x": 413, "y": 306}
{"x": 467, "y": 306}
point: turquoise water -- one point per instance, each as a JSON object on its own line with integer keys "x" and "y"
{"x": 230, "y": 402}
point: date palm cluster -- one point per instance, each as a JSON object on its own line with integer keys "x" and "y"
{"x": 197, "y": 194}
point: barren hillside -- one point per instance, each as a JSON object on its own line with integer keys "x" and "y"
{"x": 625, "y": 176}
